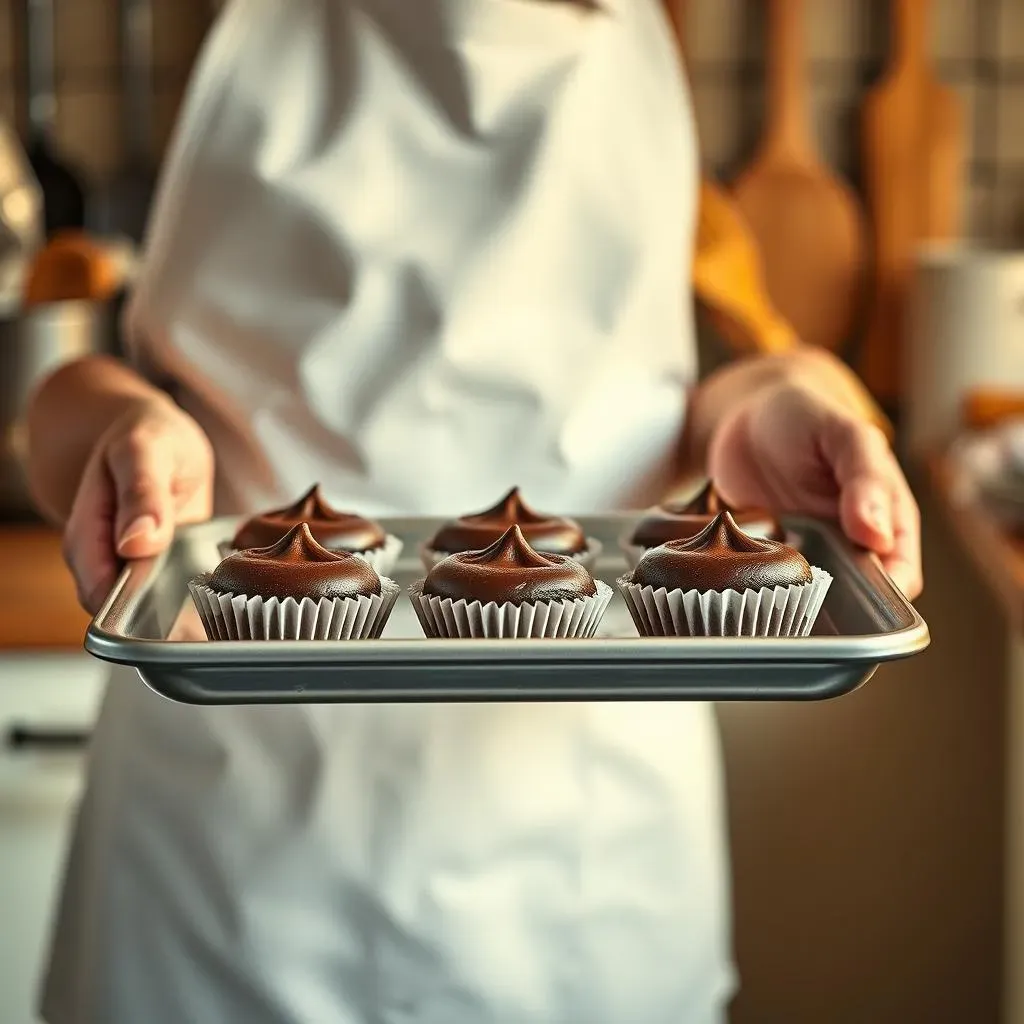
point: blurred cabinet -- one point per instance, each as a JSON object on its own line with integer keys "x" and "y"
{"x": 39, "y": 787}
{"x": 1014, "y": 950}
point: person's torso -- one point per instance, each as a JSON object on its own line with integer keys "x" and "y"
{"x": 422, "y": 252}
{"x": 418, "y": 251}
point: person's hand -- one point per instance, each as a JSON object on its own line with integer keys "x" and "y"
{"x": 150, "y": 470}
{"x": 790, "y": 448}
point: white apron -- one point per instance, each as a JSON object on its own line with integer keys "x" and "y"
{"x": 418, "y": 251}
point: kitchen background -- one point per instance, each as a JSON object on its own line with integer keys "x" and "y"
{"x": 875, "y": 838}
{"x": 978, "y": 49}
{"x": 88, "y": 79}
{"x": 978, "y": 46}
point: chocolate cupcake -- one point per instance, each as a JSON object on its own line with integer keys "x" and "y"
{"x": 333, "y": 529}
{"x": 549, "y": 534}
{"x": 724, "y": 582}
{"x": 509, "y": 590}
{"x": 681, "y": 521}
{"x": 294, "y": 589}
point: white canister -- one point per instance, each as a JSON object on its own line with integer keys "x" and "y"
{"x": 966, "y": 331}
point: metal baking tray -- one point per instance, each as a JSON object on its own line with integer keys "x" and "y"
{"x": 149, "y": 622}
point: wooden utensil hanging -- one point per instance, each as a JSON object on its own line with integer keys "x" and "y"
{"x": 807, "y": 222}
{"x": 914, "y": 144}
{"x": 729, "y": 280}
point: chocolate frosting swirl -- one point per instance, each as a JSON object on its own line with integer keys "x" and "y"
{"x": 509, "y": 572}
{"x": 680, "y": 521}
{"x": 340, "y": 531}
{"x": 550, "y": 534}
{"x": 721, "y": 557}
{"x": 296, "y": 566}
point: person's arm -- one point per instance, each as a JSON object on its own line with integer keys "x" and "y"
{"x": 67, "y": 415}
{"x": 719, "y": 394}
{"x": 799, "y": 433}
{"x": 118, "y": 463}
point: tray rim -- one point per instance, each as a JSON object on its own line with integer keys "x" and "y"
{"x": 105, "y": 642}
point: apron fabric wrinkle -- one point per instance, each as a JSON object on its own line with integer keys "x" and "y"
{"x": 447, "y": 261}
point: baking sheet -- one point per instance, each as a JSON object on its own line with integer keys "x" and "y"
{"x": 149, "y": 622}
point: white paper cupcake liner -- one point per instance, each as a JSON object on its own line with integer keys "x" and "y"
{"x": 770, "y": 611}
{"x": 570, "y": 619}
{"x": 239, "y": 617}
{"x": 634, "y": 552}
{"x": 587, "y": 558}
{"x": 383, "y": 559}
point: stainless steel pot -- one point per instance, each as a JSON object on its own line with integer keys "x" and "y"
{"x": 34, "y": 343}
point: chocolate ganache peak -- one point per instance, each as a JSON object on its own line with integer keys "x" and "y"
{"x": 509, "y": 571}
{"x": 546, "y": 533}
{"x": 706, "y": 502}
{"x": 682, "y": 520}
{"x": 343, "y": 531}
{"x": 721, "y": 557}
{"x": 295, "y": 566}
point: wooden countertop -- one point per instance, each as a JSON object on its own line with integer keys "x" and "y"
{"x": 38, "y": 607}
{"x": 998, "y": 555}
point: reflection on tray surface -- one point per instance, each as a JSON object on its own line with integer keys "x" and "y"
{"x": 187, "y": 626}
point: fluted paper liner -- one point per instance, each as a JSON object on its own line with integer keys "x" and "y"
{"x": 569, "y": 619}
{"x": 634, "y": 552}
{"x": 383, "y": 559}
{"x": 770, "y": 611}
{"x": 240, "y": 617}
{"x": 587, "y": 557}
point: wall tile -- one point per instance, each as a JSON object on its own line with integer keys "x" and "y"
{"x": 750, "y": 118}
{"x": 1009, "y": 41}
{"x": 1008, "y": 211}
{"x": 88, "y": 131}
{"x": 838, "y": 30}
{"x": 12, "y": 102}
{"x": 178, "y": 30}
{"x": 979, "y": 212}
{"x": 969, "y": 94}
{"x": 953, "y": 29}
{"x": 1009, "y": 119}
{"x": 7, "y": 41}
{"x": 984, "y": 125}
{"x": 719, "y": 127}
{"x": 835, "y": 113}
{"x": 166, "y": 106}
{"x": 87, "y": 42}
{"x": 720, "y": 31}
{"x": 8, "y": 107}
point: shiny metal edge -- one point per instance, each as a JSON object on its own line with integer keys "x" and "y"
{"x": 784, "y": 682}
{"x": 107, "y": 637}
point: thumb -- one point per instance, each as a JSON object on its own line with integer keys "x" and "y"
{"x": 142, "y": 471}
{"x": 863, "y": 466}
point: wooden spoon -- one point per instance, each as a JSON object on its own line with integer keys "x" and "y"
{"x": 807, "y": 223}
{"x": 914, "y": 158}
